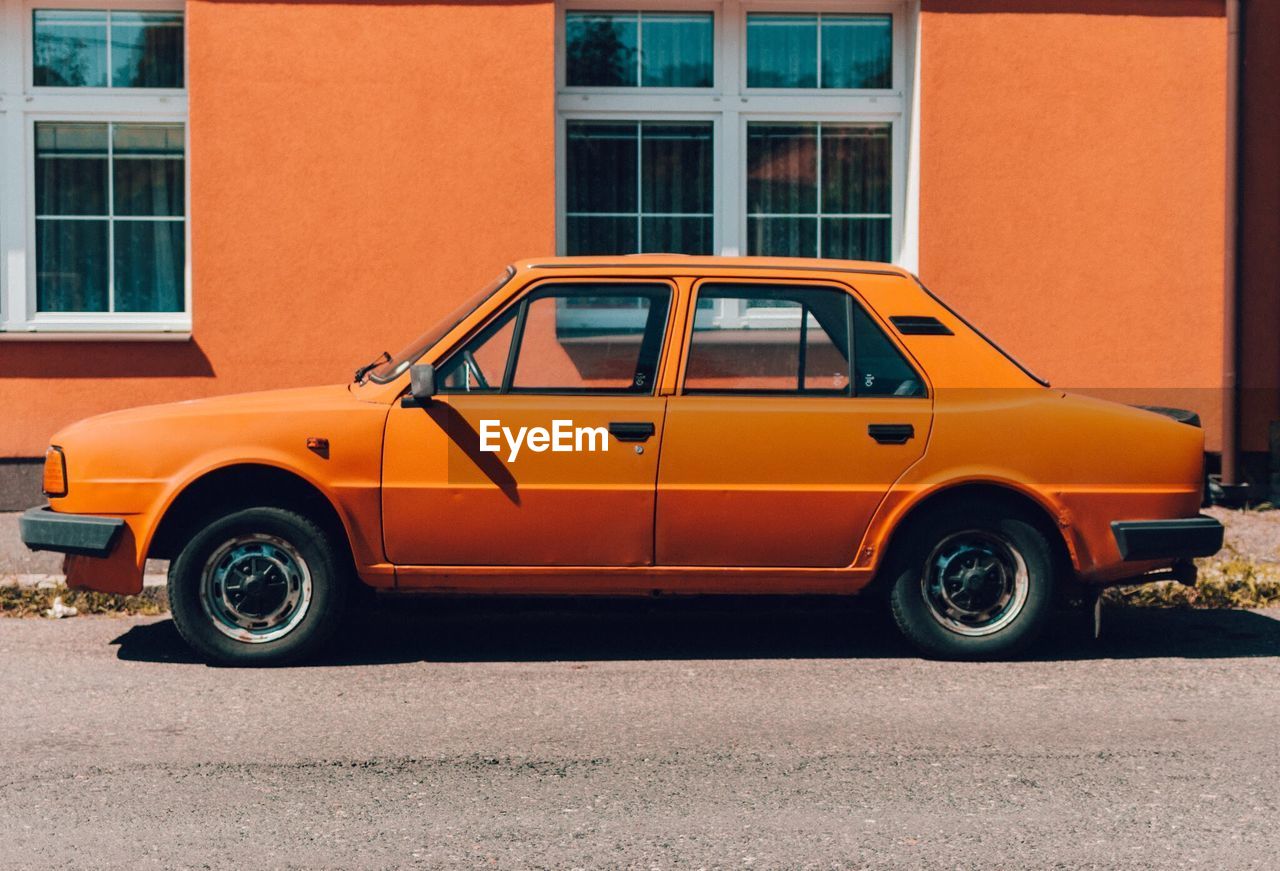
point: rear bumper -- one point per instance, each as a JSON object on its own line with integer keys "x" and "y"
{"x": 1181, "y": 538}
{"x": 80, "y": 534}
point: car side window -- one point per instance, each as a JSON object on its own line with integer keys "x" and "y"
{"x": 791, "y": 339}
{"x": 574, "y": 338}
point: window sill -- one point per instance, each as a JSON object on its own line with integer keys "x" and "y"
{"x": 47, "y": 335}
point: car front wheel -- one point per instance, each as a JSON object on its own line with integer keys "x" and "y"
{"x": 259, "y": 586}
{"x": 973, "y": 583}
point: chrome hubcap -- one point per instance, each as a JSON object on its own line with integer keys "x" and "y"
{"x": 975, "y": 583}
{"x": 255, "y": 588}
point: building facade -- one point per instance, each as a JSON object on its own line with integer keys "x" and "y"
{"x": 223, "y": 196}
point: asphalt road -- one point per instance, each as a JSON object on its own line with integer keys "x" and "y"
{"x": 771, "y": 734}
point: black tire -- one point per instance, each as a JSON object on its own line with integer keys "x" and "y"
{"x": 294, "y": 561}
{"x": 952, "y": 571}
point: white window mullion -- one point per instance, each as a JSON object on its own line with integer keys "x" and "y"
{"x": 111, "y": 213}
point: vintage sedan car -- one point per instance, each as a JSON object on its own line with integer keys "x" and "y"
{"x": 642, "y": 425}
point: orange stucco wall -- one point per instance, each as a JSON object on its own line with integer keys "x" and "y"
{"x": 1072, "y": 187}
{"x": 356, "y": 171}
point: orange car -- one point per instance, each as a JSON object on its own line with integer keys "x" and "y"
{"x": 639, "y": 425}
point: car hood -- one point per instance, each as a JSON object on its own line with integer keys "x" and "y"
{"x": 290, "y": 400}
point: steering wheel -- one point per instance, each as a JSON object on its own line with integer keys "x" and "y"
{"x": 469, "y": 360}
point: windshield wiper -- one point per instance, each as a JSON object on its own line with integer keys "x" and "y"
{"x": 384, "y": 357}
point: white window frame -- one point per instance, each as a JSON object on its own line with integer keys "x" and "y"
{"x": 731, "y": 105}
{"x": 22, "y": 106}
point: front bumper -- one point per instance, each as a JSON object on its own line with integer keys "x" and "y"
{"x": 80, "y": 534}
{"x": 1178, "y": 539}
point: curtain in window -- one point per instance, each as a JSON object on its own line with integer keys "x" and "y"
{"x": 819, "y": 190}
{"x": 638, "y": 186}
{"x": 110, "y": 217}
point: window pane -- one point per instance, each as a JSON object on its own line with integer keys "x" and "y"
{"x": 625, "y": 179}
{"x": 677, "y": 50}
{"x": 600, "y": 338}
{"x": 601, "y": 163}
{"x": 146, "y": 49}
{"x": 148, "y": 169}
{"x": 600, "y": 49}
{"x": 782, "y": 169}
{"x": 71, "y": 266}
{"x": 70, "y": 48}
{"x": 782, "y": 237}
{"x": 671, "y": 235}
{"x": 782, "y": 51}
{"x": 482, "y": 363}
{"x": 149, "y": 259}
{"x": 879, "y": 368}
{"x": 677, "y": 168}
{"x": 826, "y": 368}
{"x": 855, "y": 169}
{"x": 593, "y": 234}
{"x": 762, "y": 352}
{"x": 857, "y": 51}
{"x": 856, "y": 238}
{"x": 71, "y": 169}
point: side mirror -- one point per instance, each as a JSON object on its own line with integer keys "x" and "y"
{"x": 422, "y": 386}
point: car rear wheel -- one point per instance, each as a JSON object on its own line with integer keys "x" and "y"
{"x": 260, "y": 586}
{"x": 972, "y": 583}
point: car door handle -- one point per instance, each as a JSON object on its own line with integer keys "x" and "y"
{"x": 891, "y": 433}
{"x": 631, "y": 431}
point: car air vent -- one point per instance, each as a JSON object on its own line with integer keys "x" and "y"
{"x": 1181, "y": 415}
{"x": 920, "y": 325}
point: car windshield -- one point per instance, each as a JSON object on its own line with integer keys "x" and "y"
{"x": 407, "y": 357}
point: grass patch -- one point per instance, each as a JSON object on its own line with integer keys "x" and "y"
{"x": 33, "y": 601}
{"x": 1228, "y": 580}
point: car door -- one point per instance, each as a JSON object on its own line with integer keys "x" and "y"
{"x": 541, "y": 446}
{"x": 795, "y": 413}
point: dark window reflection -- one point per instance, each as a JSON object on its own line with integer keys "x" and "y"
{"x": 819, "y": 190}
{"x": 639, "y": 186}
{"x": 631, "y": 49}
{"x": 110, "y": 217}
{"x": 70, "y": 49}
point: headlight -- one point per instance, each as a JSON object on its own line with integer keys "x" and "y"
{"x": 55, "y": 472}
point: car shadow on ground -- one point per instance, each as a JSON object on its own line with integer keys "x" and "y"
{"x": 453, "y": 629}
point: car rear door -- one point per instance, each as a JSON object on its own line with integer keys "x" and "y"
{"x": 576, "y": 359}
{"x": 779, "y": 444}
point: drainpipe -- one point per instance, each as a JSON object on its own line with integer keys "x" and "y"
{"x": 1230, "y": 278}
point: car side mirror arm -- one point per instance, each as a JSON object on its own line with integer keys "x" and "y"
{"x": 422, "y": 386}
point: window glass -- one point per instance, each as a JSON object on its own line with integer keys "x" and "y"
{"x": 819, "y": 51}
{"x": 782, "y": 51}
{"x": 99, "y": 49}
{"x": 579, "y": 339}
{"x": 879, "y": 367}
{"x": 480, "y": 365}
{"x": 638, "y": 186}
{"x": 779, "y": 339}
{"x": 592, "y": 338}
{"x": 646, "y": 49}
{"x": 146, "y": 49}
{"x": 732, "y": 353}
{"x": 110, "y": 225}
{"x": 70, "y": 48}
{"x": 857, "y": 51}
{"x": 819, "y": 190}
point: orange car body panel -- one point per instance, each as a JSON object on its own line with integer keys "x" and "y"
{"x": 735, "y": 494}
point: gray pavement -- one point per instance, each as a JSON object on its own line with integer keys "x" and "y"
{"x": 763, "y": 734}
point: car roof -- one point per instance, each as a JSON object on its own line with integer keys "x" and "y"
{"x": 695, "y": 264}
